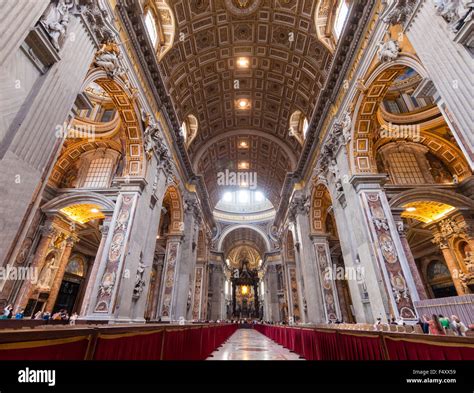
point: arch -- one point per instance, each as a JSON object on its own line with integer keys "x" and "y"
{"x": 232, "y": 228}
{"x": 437, "y": 195}
{"x": 55, "y": 205}
{"x": 320, "y": 202}
{"x": 174, "y": 199}
{"x": 129, "y": 113}
{"x": 366, "y": 109}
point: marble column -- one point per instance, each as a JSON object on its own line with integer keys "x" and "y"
{"x": 173, "y": 249}
{"x": 386, "y": 249}
{"x": 295, "y": 309}
{"x": 410, "y": 259}
{"x": 327, "y": 278}
{"x": 187, "y": 260}
{"x": 58, "y": 279}
{"x": 198, "y": 292}
{"x": 104, "y": 229}
{"x": 103, "y": 301}
{"x": 448, "y": 254}
{"x": 313, "y": 298}
{"x": 271, "y": 293}
{"x": 449, "y": 66}
{"x": 340, "y": 287}
{"x": 155, "y": 296}
{"x": 218, "y": 298}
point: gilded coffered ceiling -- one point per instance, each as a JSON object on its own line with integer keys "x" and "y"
{"x": 283, "y": 70}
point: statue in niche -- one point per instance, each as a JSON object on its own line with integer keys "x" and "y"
{"x": 56, "y": 20}
{"x": 46, "y": 275}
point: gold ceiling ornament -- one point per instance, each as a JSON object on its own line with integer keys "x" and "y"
{"x": 426, "y": 211}
{"x": 83, "y": 213}
{"x": 242, "y": 7}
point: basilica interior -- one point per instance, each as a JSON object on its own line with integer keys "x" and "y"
{"x": 222, "y": 162}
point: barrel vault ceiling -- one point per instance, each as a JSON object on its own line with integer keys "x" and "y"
{"x": 287, "y": 68}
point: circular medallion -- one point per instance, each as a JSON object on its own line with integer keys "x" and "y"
{"x": 116, "y": 247}
{"x": 242, "y": 7}
{"x": 398, "y": 282}
{"x": 388, "y": 248}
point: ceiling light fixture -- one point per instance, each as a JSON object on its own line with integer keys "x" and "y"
{"x": 243, "y": 62}
{"x": 243, "y": 103}
{"x": 94, "y": 210}
{"x": 411, "y": 209}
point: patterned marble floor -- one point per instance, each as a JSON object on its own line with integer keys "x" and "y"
{"x": 248, "y": 344}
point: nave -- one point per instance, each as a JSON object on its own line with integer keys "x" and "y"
{"x": 249, "y": 344}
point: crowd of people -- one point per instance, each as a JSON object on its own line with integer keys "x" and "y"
{"x": 440, "y": 325}
{"x": 61, "y": 315}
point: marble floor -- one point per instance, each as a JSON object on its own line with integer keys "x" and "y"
{"x": 248, "y": 344}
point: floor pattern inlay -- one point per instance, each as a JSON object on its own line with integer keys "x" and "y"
{"x": 248, "y": 344}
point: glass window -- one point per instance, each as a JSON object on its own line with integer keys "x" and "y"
{"x": 108, "y": 115}
{"x": 99, "y": 173}
{"x": 341, "y": 17}
{"x": 151, "y": 27}
{"x": 305, "y": 126}
{"x": 243, "y": 196}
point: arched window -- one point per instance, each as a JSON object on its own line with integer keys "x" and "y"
{"x": 189, "y": 129}
{"x": 341, "y": 16}
{"x": 299, "y": 125}
{"x": 150, "y": 23}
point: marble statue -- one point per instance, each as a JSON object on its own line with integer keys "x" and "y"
{"x": 56, "y": 20}
{"x": 47, "y": 274}
{"x": 455, "y": 12}
{"x": 388, "y": 51}
{"x": 108, "y": 58}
